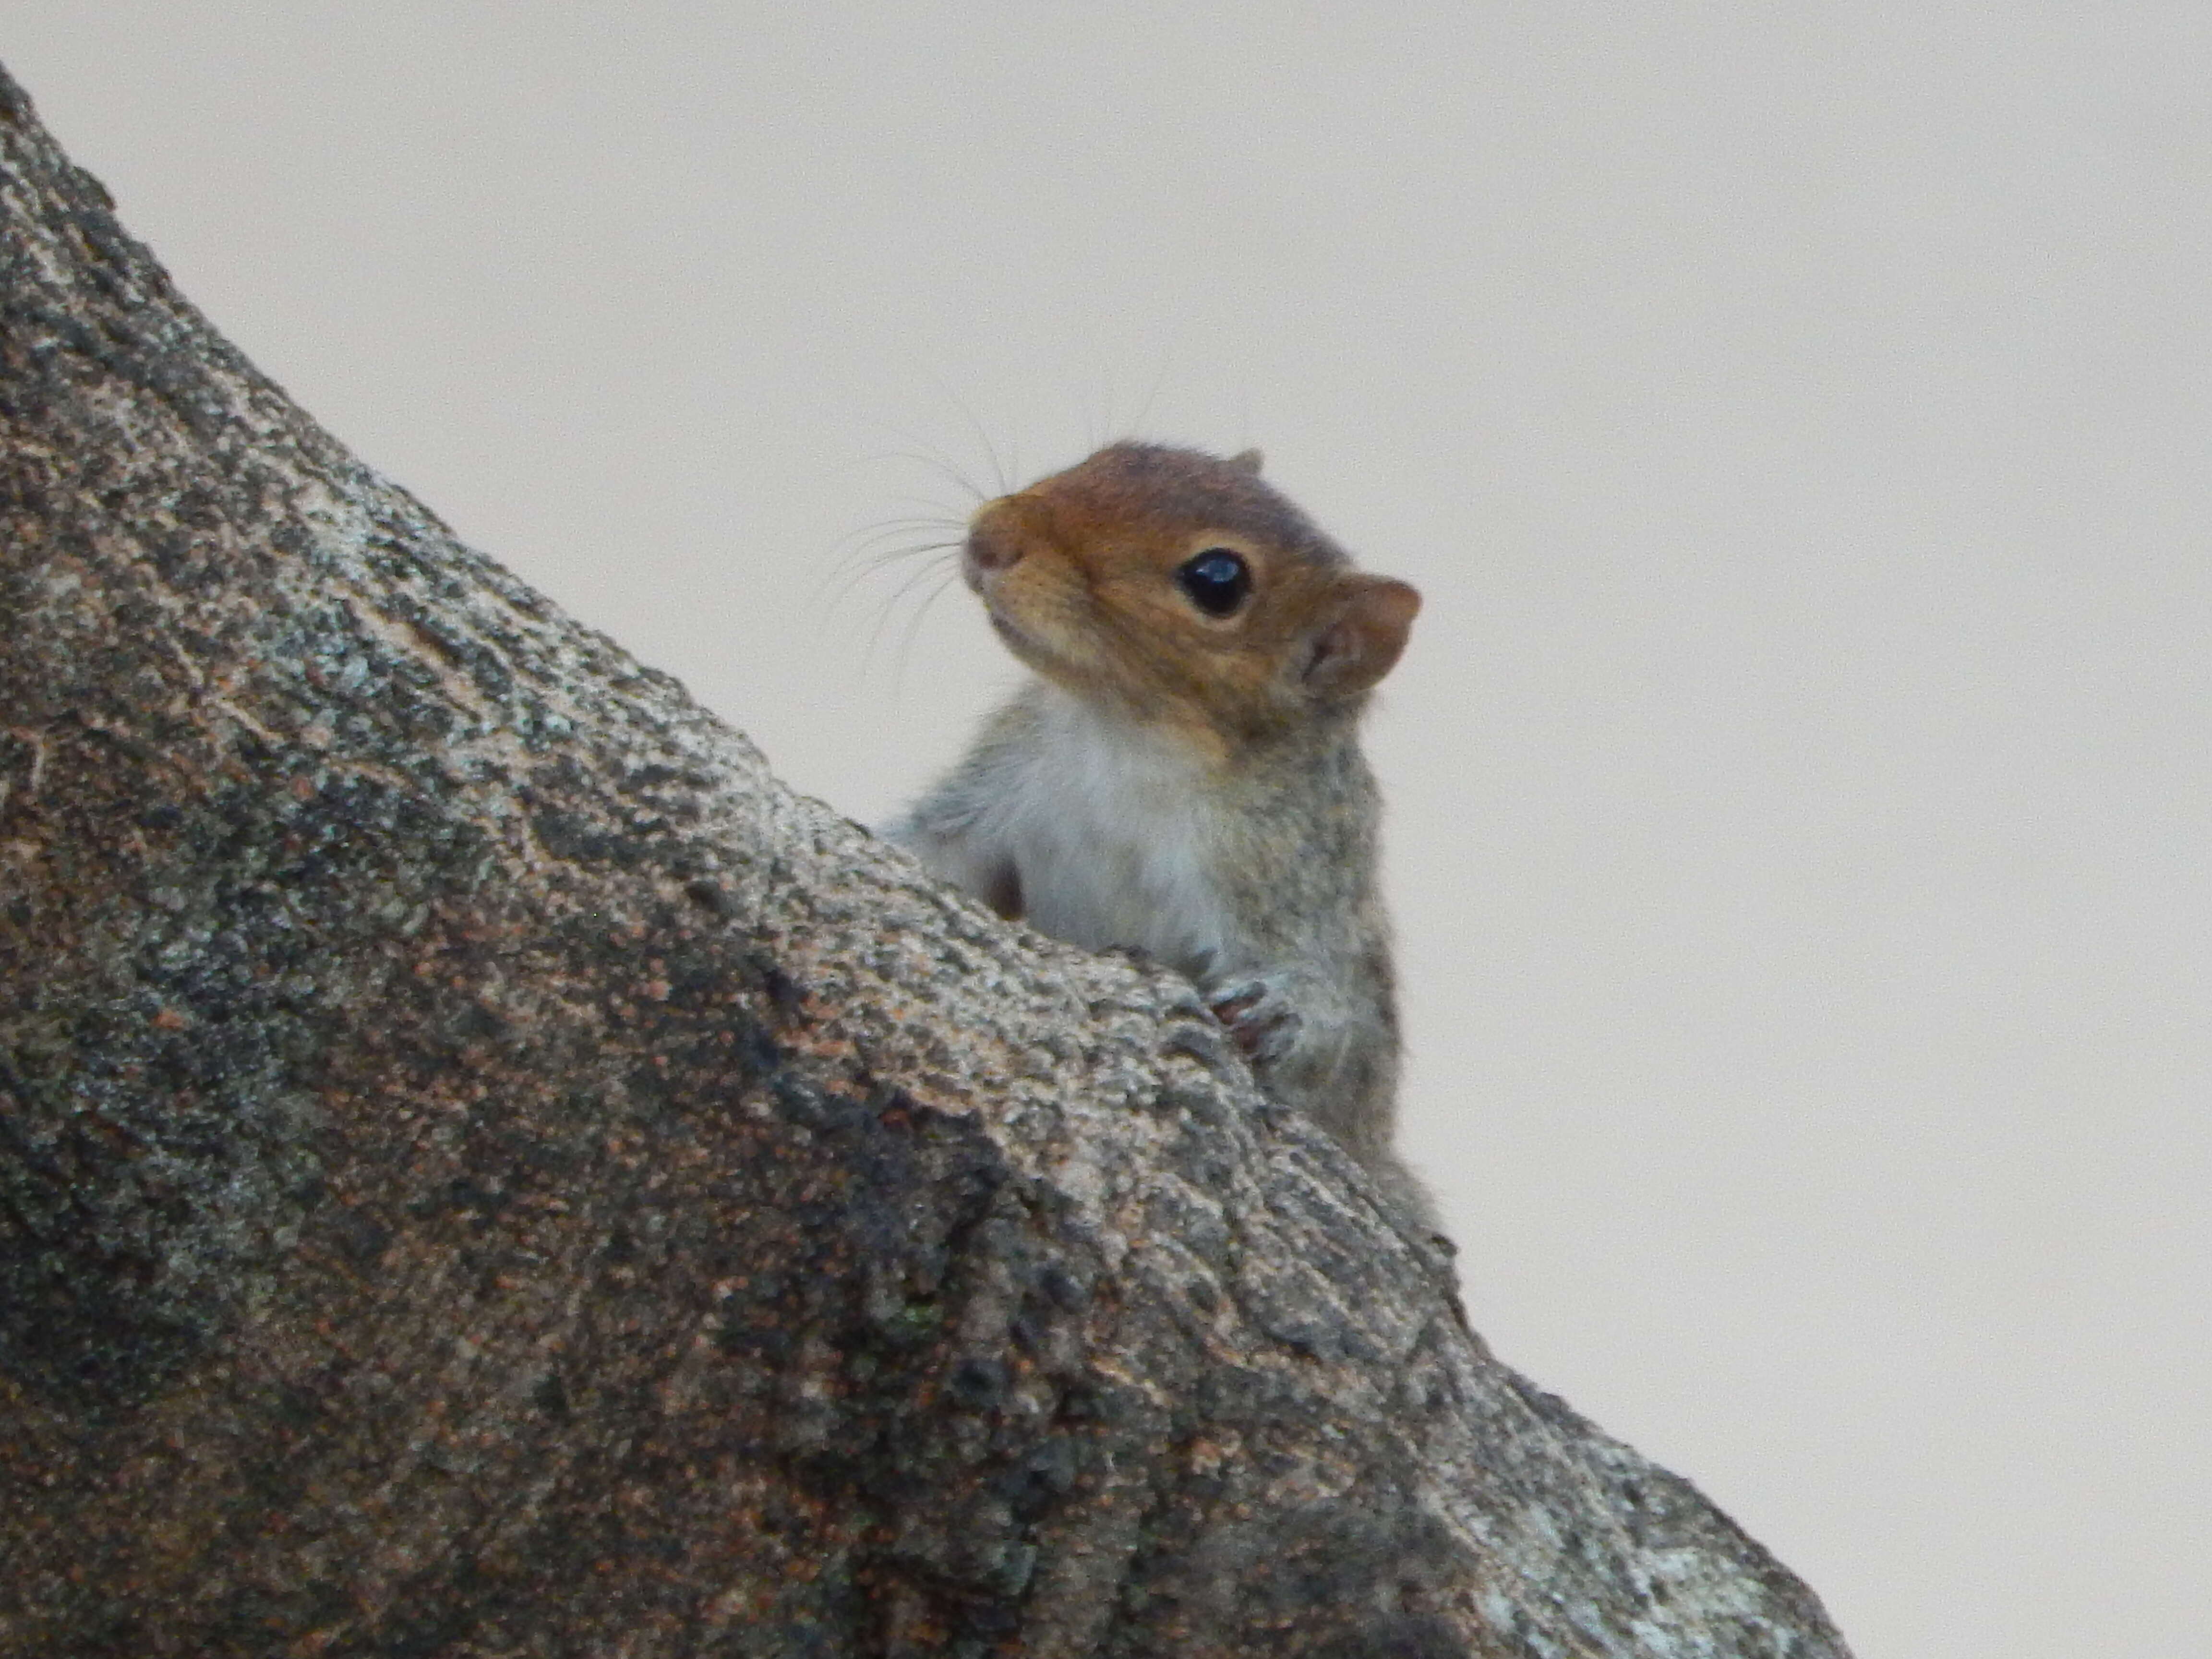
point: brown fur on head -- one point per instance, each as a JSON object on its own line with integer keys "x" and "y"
{"x": 1079, "y": 574}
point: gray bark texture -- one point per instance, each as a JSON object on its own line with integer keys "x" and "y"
{"x": 485, "y": 1170}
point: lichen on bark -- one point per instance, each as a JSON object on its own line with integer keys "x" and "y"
{"x": 486, "y": 1169}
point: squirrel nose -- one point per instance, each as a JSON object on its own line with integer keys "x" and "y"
{"x": 994, "y": 541}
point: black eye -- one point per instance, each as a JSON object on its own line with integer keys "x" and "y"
{"x": 1216, "y": 580}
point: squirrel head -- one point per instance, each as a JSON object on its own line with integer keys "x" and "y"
{"x": 1182, "y": 590}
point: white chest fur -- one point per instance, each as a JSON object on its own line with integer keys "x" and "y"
{"x": 1110, "y": 831}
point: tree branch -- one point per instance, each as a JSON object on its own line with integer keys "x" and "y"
{"x": 485, "y": 1170}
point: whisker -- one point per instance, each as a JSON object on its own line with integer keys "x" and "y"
{"x": 870, "y": 563}
{"x": 922, "y": 574}
{"x": 919, "y": 549}
{"x": 935, "y": 508}
{"x": 842, "y": 582}
{"x": 922, "y": 453}
{"x": 1094, "y": 410}
{"x": 999, "y": 471}
{"x": 1159, "y": 384}
{"x": 850, "y": 548}
{"x": 914, "y": 628}
{"x": 859, "y": 540}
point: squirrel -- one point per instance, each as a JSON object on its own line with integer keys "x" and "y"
{"x": 1181, "y": 777}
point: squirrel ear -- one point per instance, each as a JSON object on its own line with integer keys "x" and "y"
{"x": 1361, "y": 643}
{"x": 1248, "y": 460}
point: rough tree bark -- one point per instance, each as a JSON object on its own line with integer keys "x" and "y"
{"x": 485, "y": 1170}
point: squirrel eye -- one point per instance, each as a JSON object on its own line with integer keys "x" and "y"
{"x": 1216, "y": 580}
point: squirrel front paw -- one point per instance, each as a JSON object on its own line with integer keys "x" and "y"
{"x": 1260, "y": 1016}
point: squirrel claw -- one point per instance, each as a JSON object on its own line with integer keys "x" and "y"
{"x": 1261, "y": 1024}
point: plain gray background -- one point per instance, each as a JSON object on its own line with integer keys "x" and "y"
{"x": 1796, "y": 418}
